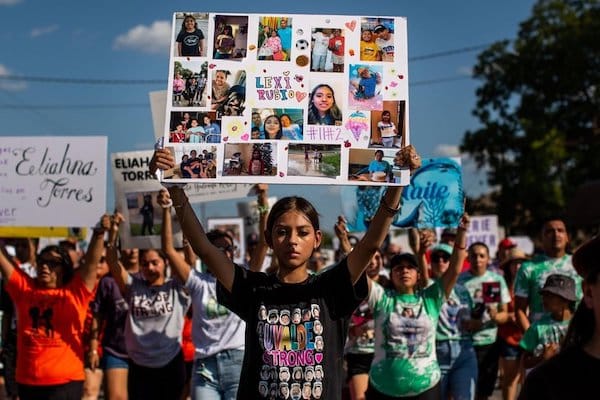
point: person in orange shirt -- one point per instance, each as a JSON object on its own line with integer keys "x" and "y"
{"x": 52, "y": 310}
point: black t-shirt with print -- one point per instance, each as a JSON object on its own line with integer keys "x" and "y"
{"x": 295, "y": 333}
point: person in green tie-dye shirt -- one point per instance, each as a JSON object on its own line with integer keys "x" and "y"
{"x": 406, "y": 317}
{"x": 490, "y": 297}
{"x": 544, "y": 337}
{"x": 533, "y": 274}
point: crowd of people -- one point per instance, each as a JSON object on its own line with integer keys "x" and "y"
{"x": 436, "y": 322}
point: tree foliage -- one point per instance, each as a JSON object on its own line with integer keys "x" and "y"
{"x": 539, "y": 110}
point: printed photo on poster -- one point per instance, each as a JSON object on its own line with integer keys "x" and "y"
{"x": 373, "y": 165}
{"x": 277, "y": 123}
{"x": 323, "y": 103}
{"x": 243, "y": 159}
{"x": 143, "y": 213}
{"x": 228, "y": 88}
{"x": 327, "y": 49}
{"x": 234, "y": 227}
{"x": 318, "y": 160}
{"x": 193, "y": 162}
{"x": 387, "y": 125}
{"x": 231, "y": 37}
{"x": 364, "y": 91}
{"x": 194, "y": 127}
{"x": 274, "y": 38}
{"x": 189, "y": 83}
{"x": 190, "y": 35}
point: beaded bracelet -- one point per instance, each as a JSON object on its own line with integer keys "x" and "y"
{"x": 386, "y": 207}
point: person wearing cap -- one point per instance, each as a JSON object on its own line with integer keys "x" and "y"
{"x": 542, "y": 340}
{"x": 510, "y": 333}
{"x": 532, "y": 274}
{"x": 385, "y": 42}
{"x": 406, "y": 318}
{"x": 454, "y": 342}
{"x": 573, "y": 372}
{"x": 490, "y": 296}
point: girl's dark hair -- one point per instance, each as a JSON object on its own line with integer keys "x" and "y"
{"x": 280, "y": 133}
{"x": 292, "y": 203}
{"x": 313, "y": 113}
{"x": 487, "y": 249}
{"x": 67, "y": 264}
{"x": 160, "y": 253}
{"x": 582, "y": 325}
{"x": 188, "y": 17}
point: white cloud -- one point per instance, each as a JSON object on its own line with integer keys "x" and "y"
{"x": 10, "y": 85}
{"x": 44, "y": 30}
{"x": 446, "y": 150}
{"x": 153, "y": 39}
{"x": 9, "y": 2}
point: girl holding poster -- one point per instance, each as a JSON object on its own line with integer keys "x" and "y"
{"x": 292, "y": 301}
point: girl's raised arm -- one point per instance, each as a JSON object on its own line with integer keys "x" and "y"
{"x": 457, "y": 258}
{"x": 181, "y": 268}
{"x": 359, "y": 257}
{"x": 117, "y": 271}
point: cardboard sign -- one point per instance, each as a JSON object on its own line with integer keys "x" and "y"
{"x": 433, "y": 199}
{"x": 50, "y": 181}
{"x": 274, "y": 98}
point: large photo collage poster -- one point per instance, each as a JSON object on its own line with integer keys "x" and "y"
{"x": 274, "y": 98}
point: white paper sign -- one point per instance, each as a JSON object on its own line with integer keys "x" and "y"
{"x": 484, "y": 228}
{"x": 272, "y": 98}
{"x": 52, "y": 180}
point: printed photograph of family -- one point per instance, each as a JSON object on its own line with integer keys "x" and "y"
{"x": 197, "y": 162}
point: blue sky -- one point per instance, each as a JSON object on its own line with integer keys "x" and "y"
{"x": 122, "y": 40}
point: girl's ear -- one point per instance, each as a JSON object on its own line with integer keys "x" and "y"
{"x": 318, "y": 238}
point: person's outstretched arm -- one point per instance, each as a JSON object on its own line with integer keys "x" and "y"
{"x": 458, "y": 256}
{"x": 260, "y": 251}
{"x": 181, "y": 268}
{"x": 117, "y": 271}
{"x": 359, "y": 257}
{"x": 87, "y": 271}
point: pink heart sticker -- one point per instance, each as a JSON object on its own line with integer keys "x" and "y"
{"x": 211, "y": 66}
{"x": 245, "y": 136}
{"x": 300, "y": 96}
{"x": 347, "y": 143}
{"x": 225, "y": 138}
{"x": 351, "y": 25}
{"x": 319, "y": 358}
{"x": 394, "y": 84}
{"x": 281, "y": 174}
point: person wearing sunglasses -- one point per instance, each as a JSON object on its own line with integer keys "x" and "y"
{"x": 52, "y": 309}
{"x": 406, "y": 317}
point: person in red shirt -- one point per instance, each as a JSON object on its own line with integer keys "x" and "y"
{"x": 337, "y": 47}
{"x": 52, "y": 310}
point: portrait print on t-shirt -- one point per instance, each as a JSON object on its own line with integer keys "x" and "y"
{"x": 407, "y": 332}
{"x": 292, "y": 344}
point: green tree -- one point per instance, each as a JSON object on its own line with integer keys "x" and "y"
{"x": 539, "y": 110}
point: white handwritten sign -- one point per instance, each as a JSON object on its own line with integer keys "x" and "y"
{"x": 484, "y": 228}
{"x": 287, "y": 98}
{"x": 52, "y": 180}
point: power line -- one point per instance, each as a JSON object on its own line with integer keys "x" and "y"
{"x": 93, "y": 81}
{"x": 449, "y": 52}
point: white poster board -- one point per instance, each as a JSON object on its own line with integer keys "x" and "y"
{"x": 272, "y": 98}
{"x": 484, "y": 228}
{"x": 52, "y": 180}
